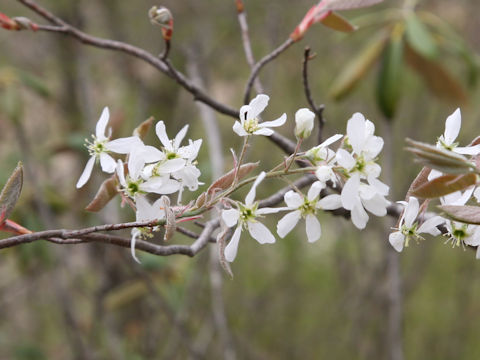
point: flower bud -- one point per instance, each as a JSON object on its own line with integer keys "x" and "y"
{"x": 304, "y": 119}
{"x": 161, "y": 16}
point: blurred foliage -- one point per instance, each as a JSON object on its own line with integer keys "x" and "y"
{"x": 287, "y": 301}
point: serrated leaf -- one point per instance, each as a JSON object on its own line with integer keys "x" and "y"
{"x": 357, "y": 68}
{"x": 142, "y": 130}
{"x": 466, "y": 214}
{"x": 225, "y": 181}
{"x": 436, "y": 77}
{"x": 419, "y": 37}
{"x": 105, "y": 193}
{"x": 11, "y": 192}
{"x": 337, "y": 22}
{"x": 390, "y": 76}
{"x": 444, "y": 185}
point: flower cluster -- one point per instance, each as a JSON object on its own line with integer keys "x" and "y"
{"x": 165, "y": 170}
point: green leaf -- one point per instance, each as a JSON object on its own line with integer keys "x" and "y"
{"x": 357, "y": 68}
{"x": 389, "y": 80}
{"x": 11, "y": 192}
{"x": 339, "y": 23}
{"x": 466, "y": 214}
{"x": 444, "y": 185}
{"x": 419, "y": 37}
{"x": 105, "y": 193}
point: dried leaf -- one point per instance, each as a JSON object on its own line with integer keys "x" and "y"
{"x": 357, "y": 68}
{"x": 225, "y": 181}
{"x": 142, "y": 130}
{"x": 339, "y": 23}
{"x": 444, "y": 185}
{"x": 170, "y": 225}
{"x": 221, "y": 241}
{"x": 11, "y": 192}
{"x": 436, "y": 77}
{"x": 105, "y": 193}
{"x": 419, "y": 37}
{"x": 201, "y": 200}
{"x": 465, "y": 213}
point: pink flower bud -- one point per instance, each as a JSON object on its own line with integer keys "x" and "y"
{"x": 162, "y": 17}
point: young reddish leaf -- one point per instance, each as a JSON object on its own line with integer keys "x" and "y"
{"x": 337, "y": 22}
{"x": 436, "y": 77}
{"x": 11, "y": 191}
{"x": 8, "y": 23}
{"x": 142, "y": 130}
{"x": 419, "y": 38}
{"x": 347, "y": 4}
{"x": 465, "y": 213}
{"x": 226, "y": 180}
{"x": 389, "y": 80}
{"x": 105, "y": 193}
{"x": 13, "y": 227}
{"x": 444, "y": 185}
{"x": 421, "y": 179}
{"x": 357, "y": 68}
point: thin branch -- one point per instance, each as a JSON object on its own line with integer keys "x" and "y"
{"x": 277, "y": 198}
{"x": 318, "y": 110}
{"x": 259, "y": 65}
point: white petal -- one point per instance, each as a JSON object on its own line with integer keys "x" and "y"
{"x": 373, "y": 170}
{"x": 135, "y": 234}
{"x": 350, "y": 191}
{"x": 260, "y": 233}
{"x": 330, "y": 202}
{"x": 267, "y": 210}
{"x": 356, "y": 132}
{"x": 344, "y": 159}
{"x": 474, "y": 239}
{"x": 314, "y": 231}
{"x": 121, "y": 173}
{"x": 373, "y": 146}
{"x": 274, "y": 123}
{"x": 411, "y": 211}
{"x": 379, "y": 186}
{"x": 331, "y": 140}
{"x": 171, "y": 166}
{"x": 102, "y": 124}
{"x": 230, "y": 216}
{"x": 160, "y": 185}
{"x": 239, "y": 130}
{"x": 430, "y": 226}
{"x": 377, "y": 205}
{"x": 152, "y": 154}
{"x": 251, "y": 194}
{"x": 452, "y": 127}
{"x": 434, "y": 174}
{"x": 257, "y": 105}
{"x": 108, "y": 163}
{"x": 293, "y": 199}
{"x": 477, "y": 255}
{"x": 468, "y": 150}
{"x": 359, "y": 216}
{"x": 143, "y": 208}
{"x": 288, "y": 222}
{"x": 190, "y": 151}
{"x": 314, "y": 190}
{"x": 86, "y": 172}
{"x": 243, "y": 112}
{"x": 232, "y": 247}
{"x": 397, "y": 239}
{"x": 135, "y": 163}
{"x": 162, "y": 135}
{"x": 179, "y": 137}
{"x": 263, "y": 131}
{"x": 124, "y": 145}
{"x": 476, "y": 194}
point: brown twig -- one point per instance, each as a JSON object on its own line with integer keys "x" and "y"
{"x": 318, "y": 110}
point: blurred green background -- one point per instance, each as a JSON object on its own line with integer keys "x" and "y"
{"x": 291, "y": 300}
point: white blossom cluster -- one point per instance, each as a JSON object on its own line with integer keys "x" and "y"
{"x": 165, "y": 170}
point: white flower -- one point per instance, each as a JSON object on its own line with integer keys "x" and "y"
{"x": 321, "y": 154}
{"x": 306, "y": 207}
{"x": 246, "y": 216}
{"x": 409, "y": 229}
{"x": 452, "y": 129}
{"x": 357, "y": 197}
{"x": 101, "y": 146}
{"x": 145, "y": 212}
{"x": 360, "y": 137}
{"x": 304, "y": 120}
{"x": 249, "y": 121}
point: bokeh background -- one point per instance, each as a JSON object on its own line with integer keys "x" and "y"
{"x": 291, "y": 300}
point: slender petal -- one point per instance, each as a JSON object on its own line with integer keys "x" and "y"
{"x": 251, "y": 194}
{"x": 411, "y": 211}
{"x": 239, "y": 130}
{"x": 274, "y": 123}
{"x": 267, "y": 210}
{"x": 160, "y": 185}
{"x": 135, "y": 234}
{"x": 314, "y": 190}
{"x": 430, "y": 226}
{"x": 107, "y": 163}
{"x": 331, "y": 140}
{"x": 377, "y": 205}
{"x": 124, "y": 145}
{"x": 260, "y": 233}
{"x": 136, "y": 163}
{"x": 452, "y": 127}
{"x": 152, "y": 154}
{"x": 359, "y": 216}
{"x": 171, "y": 166}
{"x": 350, "y": 191}
{"x": 356, "y": 132}
{"x": 162, "y": 135}
{"x": 102, "y": 124}
{"x": 293, "y": 199}
{"x": 330, "y": 202}
{"x": 121, "y": 173}
{"x": 179, "y": 137}
{"x": 314, "y": 230}
{"x": 230, "y": 216}
{"x": 243, "y": 112}
{"x": 263, "y": 131}
{"x": 468, "y": 150}
{"x": 344, "y": 159}
{"x": 396, "y": 239}
{"x": 232, "y": 247}
{"x": 257, "y": 105}
{"x": 288, "y": 222}
{"x": 87, "y": 172}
